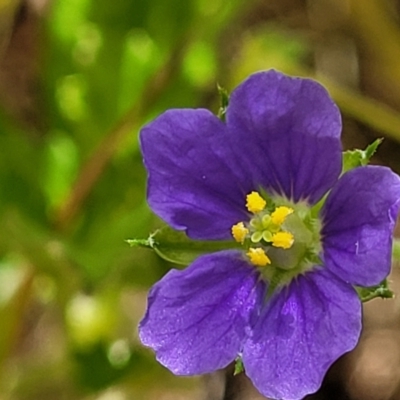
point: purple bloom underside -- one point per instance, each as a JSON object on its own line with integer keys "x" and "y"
{"x": 281, "y": 134}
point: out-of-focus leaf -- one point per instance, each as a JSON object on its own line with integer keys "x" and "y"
{"x": 94, "y": 369}
{"x": 100, "y": 249}
{"x": 20, "y": 173}
{"x": 200, "y": 64}
{"x": 13, "y": 309}
{"x": 270, "y": 47}
{"x": 142, "y": 55}
{"x": 163, "y": 21}
{"x": 8, "y": 9}
{"x": 92, "y": 318}
{"x": 60, "y": 167}
{"x": 45, "y": 253}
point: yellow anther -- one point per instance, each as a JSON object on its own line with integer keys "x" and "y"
{"x": 255, "y": 203}
{"x": 258, "y": 257}
{"x": 282, "y": 239}
{"x": 239, "y": 232}
{"x": 279, "y": 215}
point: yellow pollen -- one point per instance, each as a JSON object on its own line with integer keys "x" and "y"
{"x": 279, "y": 215}
{"x": 255, "y": 203}
{"x": 258, "y": 257}
{"x": 282, "y": 239}
{"x": 239, "y": 232}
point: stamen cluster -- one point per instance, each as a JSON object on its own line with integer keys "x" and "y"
{"x": 265, "y": 229}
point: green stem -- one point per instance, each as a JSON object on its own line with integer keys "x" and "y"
{"x": 396, "y": 250}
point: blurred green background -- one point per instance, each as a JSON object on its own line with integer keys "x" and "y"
{"x": 78, "y": 78}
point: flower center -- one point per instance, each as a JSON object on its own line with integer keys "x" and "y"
{"x": 281, "y": 237}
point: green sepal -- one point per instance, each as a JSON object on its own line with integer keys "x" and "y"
{"x": 358, "y": 158}
{"x": 368, "y": 293}
{"x": 140, "y": 242}
{"x": 224, "y": 101}
{"x": 275, "y": 282}
{"x": 174, "y": 246}
{"x": 239, "y": 367}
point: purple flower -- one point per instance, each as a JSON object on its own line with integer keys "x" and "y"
{"x": 284, "y": 300}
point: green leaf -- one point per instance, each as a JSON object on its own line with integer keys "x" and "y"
{"x": 174, "y": 246}
{"x": 368, "y": 293}
{"x": 357, "y": 158}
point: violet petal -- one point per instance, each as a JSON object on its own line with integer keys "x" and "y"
{"x": 358, "y": 217}
{"x": 190, "y": 185}
{"x": 303, "y": 330}
{"x": 197, "y": 318}
{"x": 286, "y": 132}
